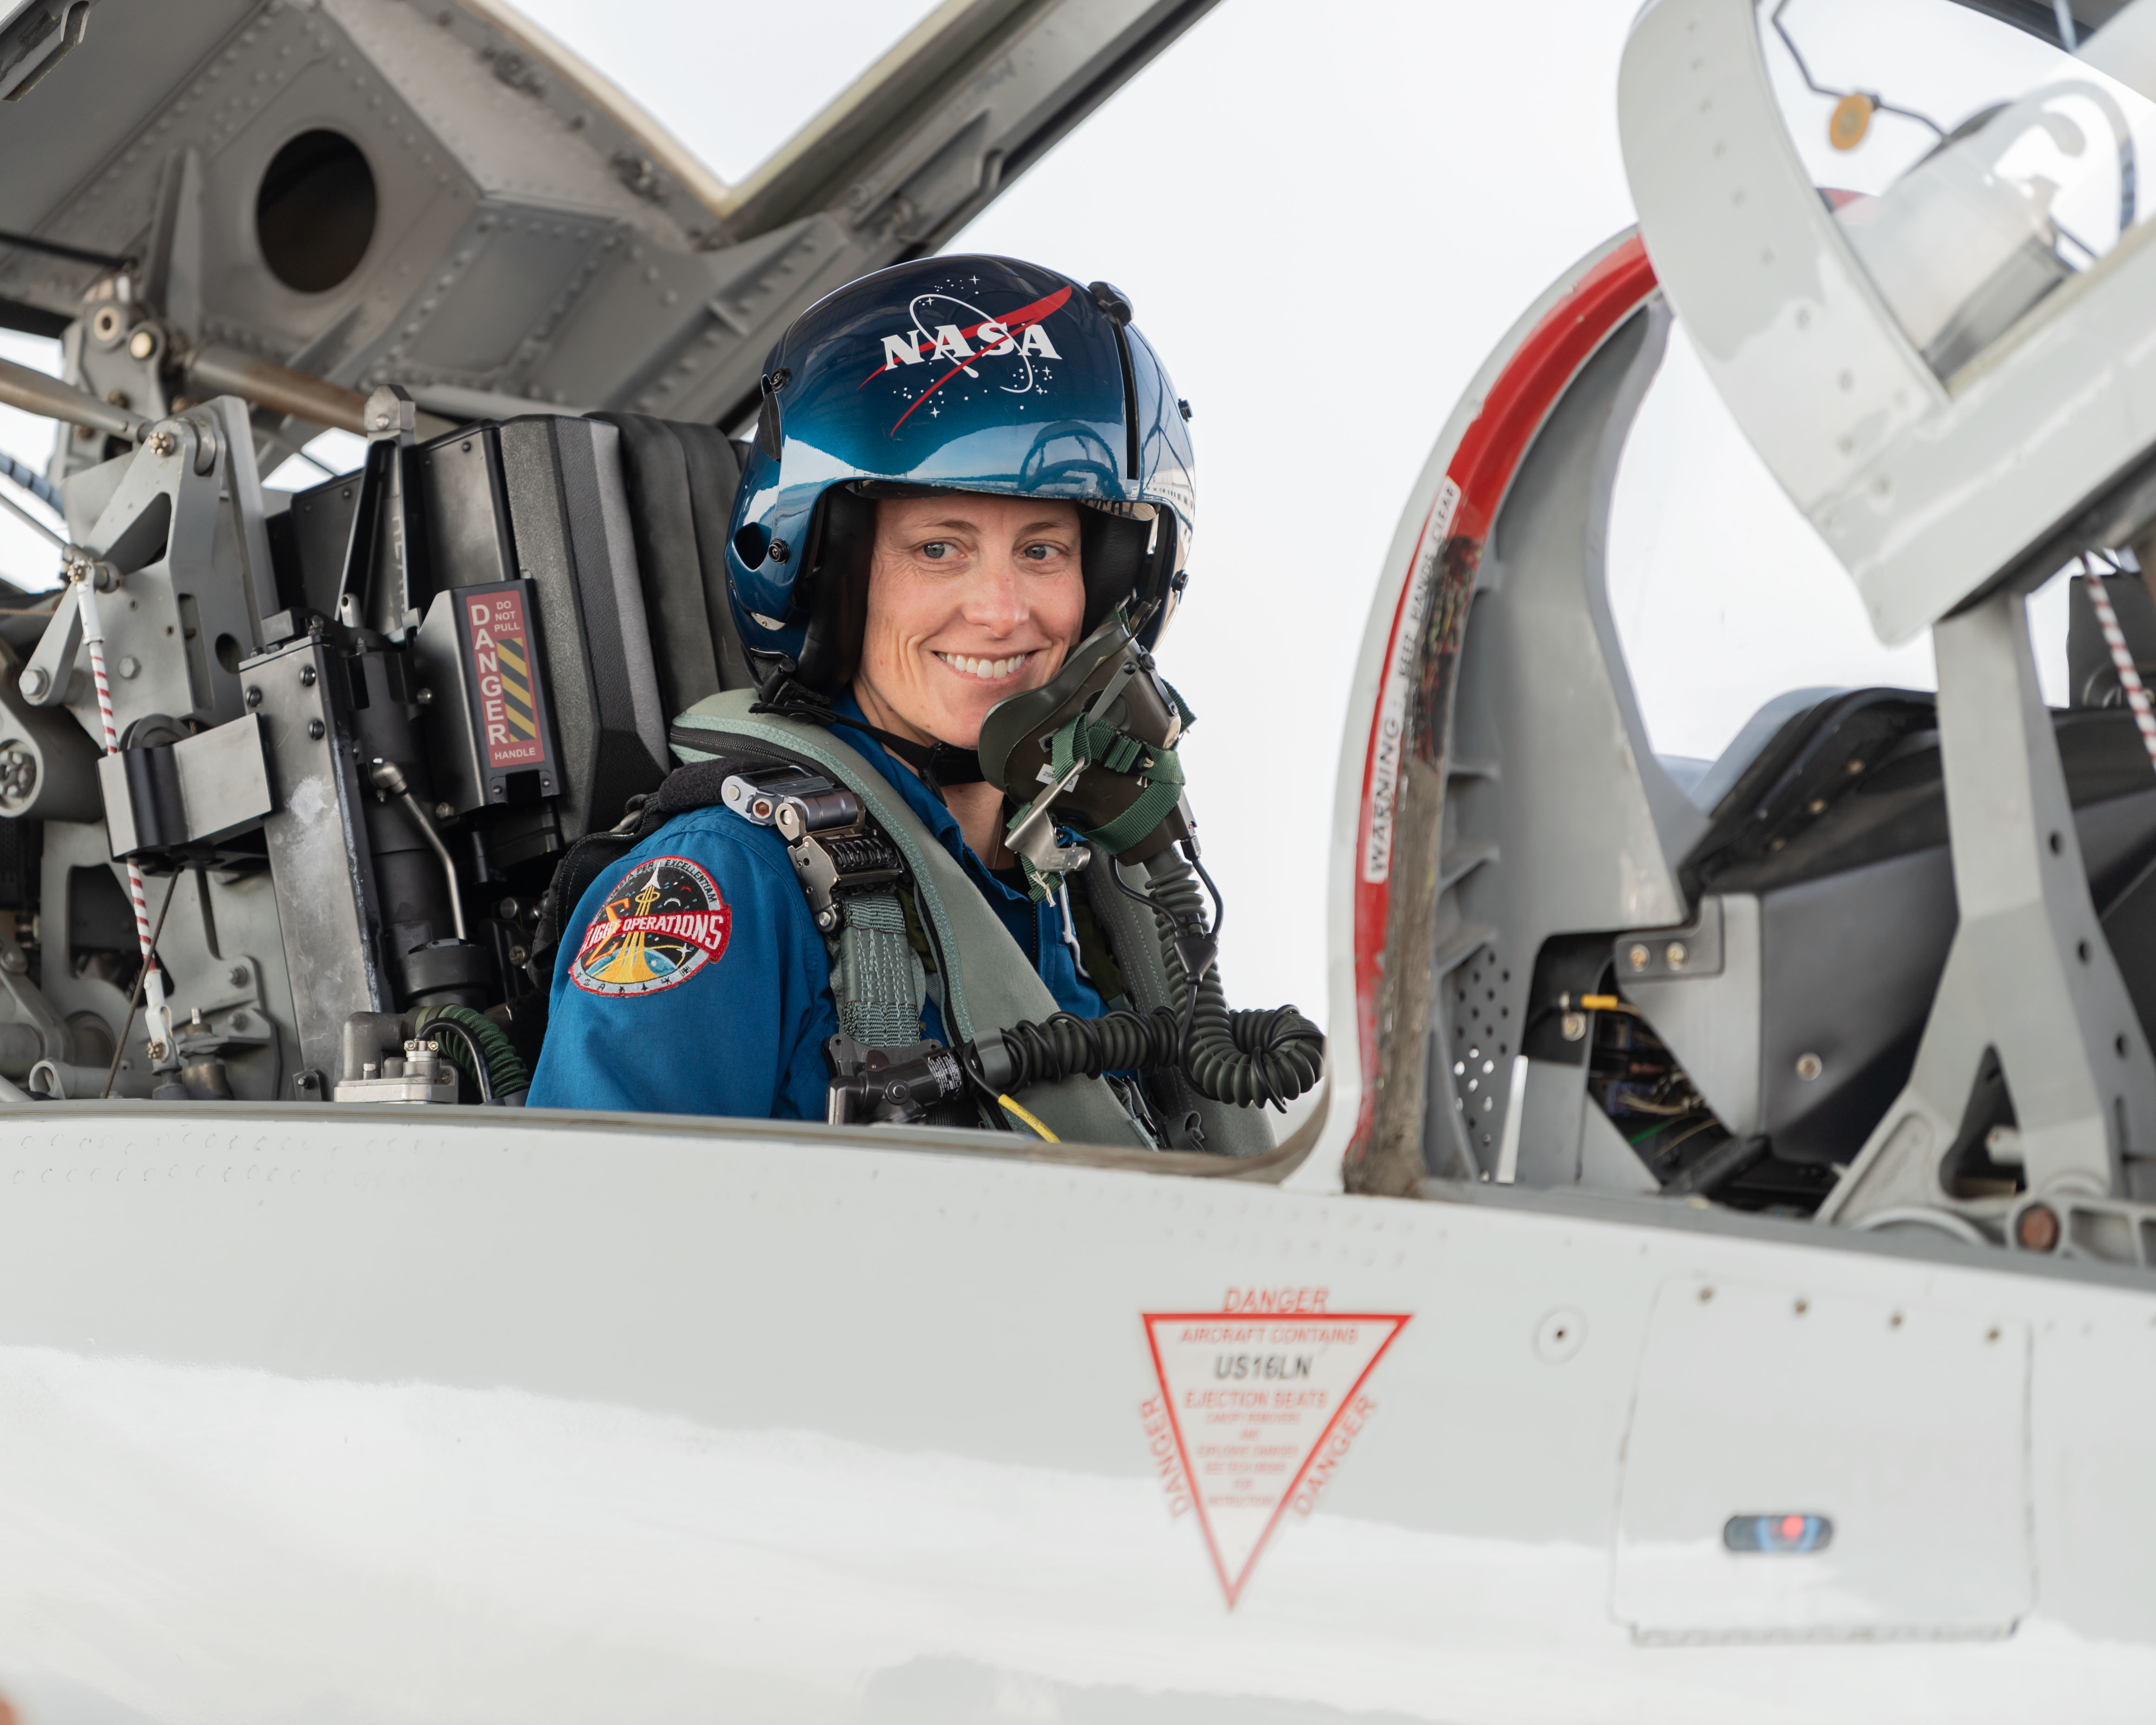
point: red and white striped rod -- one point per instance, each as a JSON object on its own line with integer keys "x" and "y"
{"x": 156, "y": 1016}
{"x": 2129, "y": 678}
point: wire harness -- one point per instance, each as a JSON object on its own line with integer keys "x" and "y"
{"x": 478, "y": 1048}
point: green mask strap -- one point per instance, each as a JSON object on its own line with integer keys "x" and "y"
{"x": 1095, "y": 742}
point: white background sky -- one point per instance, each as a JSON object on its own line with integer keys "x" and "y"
{"x": 1326, "y": 220}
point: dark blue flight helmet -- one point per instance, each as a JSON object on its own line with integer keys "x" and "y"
{"x": 963, "y": 374}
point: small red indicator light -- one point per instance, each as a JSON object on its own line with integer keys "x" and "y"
{"x": 1781, "y": 1534}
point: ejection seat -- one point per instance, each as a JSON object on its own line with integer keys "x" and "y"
{"x": 619, "y": 522}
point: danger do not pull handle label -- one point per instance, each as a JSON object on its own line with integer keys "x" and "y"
{"x": 498, "y": 638}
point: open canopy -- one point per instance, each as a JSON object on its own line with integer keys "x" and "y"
{"x": 450, "y": 197}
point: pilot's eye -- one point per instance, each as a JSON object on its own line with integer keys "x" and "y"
{"x": 937, "y": 550}
{"x": 1040, "y": 553}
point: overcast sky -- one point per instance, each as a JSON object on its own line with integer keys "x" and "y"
{"x": 1325, "y": 219}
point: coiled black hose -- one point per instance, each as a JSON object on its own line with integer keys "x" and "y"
{"x": 1238, "y": 1057}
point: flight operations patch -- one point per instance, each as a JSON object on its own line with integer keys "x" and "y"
{"x": 663, "y": 923}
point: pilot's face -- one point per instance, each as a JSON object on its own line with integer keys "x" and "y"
{"x": 971, "y": 599}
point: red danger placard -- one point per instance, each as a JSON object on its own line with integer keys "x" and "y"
{"x": 1259, "y": 1402}
{"x": 499, "y": 639}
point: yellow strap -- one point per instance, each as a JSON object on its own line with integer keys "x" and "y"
{"x": 1027, "y": 1116}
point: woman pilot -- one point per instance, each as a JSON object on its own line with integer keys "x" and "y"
{"x": 963, "y": 465}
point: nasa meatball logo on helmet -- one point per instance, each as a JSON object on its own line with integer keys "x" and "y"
{"x": 970, "y": 342}
{"x": 663, "y": 923}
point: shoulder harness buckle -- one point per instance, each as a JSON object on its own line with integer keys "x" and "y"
{"x": 835, "y": 849}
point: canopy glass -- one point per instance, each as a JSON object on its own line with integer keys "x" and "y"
{"x": 732, "y": 82}
{"x": 1975, "y": 169}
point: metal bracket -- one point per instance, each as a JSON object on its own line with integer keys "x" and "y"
{"x": 1033, "y": 837}
{"x": 45, "y": 679}
{"x": 1659, "y": 954}
{"x": 887, "y": 1086}
{"x": 319, "y": 860}
{"x": 2030, "y": 973}
{"x": 2110, "y": 1230}
{"x": 812, "y": 862}
{"x": 29, "y": 1003}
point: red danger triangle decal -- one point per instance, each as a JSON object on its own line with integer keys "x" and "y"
{"x": 1258, "y": 1404}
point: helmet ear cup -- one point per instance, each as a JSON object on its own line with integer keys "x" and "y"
{"x": 1127, "y": 559}
{"x": 1161, "y": 580}
{"x": 841, "y": 543}
{"x": 1111, "y": 557}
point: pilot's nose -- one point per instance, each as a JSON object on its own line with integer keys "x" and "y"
{"x": 995, "y": 599}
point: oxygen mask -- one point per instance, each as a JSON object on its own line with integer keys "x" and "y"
{"x": 1093, "y": 750}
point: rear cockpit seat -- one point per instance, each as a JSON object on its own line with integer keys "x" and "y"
{"x": 1705, "y": 784}
{"x": 1826, "y": 866}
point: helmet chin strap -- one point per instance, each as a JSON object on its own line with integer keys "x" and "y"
{"x": 939, "y": 763}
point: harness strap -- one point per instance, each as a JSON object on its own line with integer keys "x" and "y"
{"x": 876, "y": 980}
{"x": 1163, "y": 791}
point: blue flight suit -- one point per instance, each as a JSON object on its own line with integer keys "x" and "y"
{"x": 705, "y": 988}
